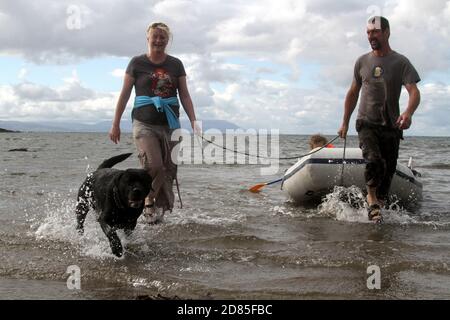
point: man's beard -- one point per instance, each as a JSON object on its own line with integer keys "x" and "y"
{"x": 375, "y": 44}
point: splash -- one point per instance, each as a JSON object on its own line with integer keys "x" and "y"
{"x": 345, "y": 204}
{"x": 58, "y": 223}
{"x": 282, "y": 211}
{"x": 138, "y": 282}
{"x": 349, "y": 204}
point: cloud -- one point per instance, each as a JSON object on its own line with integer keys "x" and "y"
{"x": 258, "y": 104}
{"x": 23, "y": 72}
{"x": 103, "y": 29}
{"x": 72, "y": 101}
{"x": 326, "y": 32}
{"x": 432, "y": 116}
{"x": 422, "y": 32}
{"x": 71, "y": 90}
{"x": 245, "y": 60}
{"x": 118, "y": 73}
{"x": 270, "y": 104}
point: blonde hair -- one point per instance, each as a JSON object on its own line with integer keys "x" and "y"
{"x": 161, "y": 26}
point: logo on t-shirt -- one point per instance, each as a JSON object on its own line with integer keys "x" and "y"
{"x": 161, "y": 84}
{"x": 377, "y": 72}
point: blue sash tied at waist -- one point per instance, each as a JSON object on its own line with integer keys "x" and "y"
{"x": 162, "y": 105}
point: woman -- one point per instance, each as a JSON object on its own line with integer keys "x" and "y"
{"x": 157, "y": 78}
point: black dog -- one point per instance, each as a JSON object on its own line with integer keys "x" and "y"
{"x": 117, "y": 195}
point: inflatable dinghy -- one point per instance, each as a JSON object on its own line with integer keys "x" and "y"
{"x": 315, "y": 175}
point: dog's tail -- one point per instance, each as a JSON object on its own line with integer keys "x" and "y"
{"x": 109, "y": 163}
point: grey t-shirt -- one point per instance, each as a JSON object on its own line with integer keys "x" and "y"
{"x": 381, "y": 80}
{"x": 155, "y": 80}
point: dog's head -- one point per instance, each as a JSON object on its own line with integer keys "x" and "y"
{"x": 132, "y": 186}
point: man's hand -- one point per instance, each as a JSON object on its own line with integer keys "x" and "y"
{"x": 343, "y": 131}
{"x": 351, "y": 99}
{"x": 404, "y": 121}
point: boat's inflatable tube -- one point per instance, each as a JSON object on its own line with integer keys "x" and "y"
{"x": 313, "y": 176}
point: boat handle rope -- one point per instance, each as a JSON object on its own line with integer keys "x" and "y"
{"x": 262, "y": 157}
{"x": 343, "y": 162}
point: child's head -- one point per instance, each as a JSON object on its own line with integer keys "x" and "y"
{"x": 317, "y": 140}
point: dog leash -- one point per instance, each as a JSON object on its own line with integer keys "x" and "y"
{"x": 179, "y": 194}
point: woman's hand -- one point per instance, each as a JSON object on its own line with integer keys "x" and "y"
{"x": 197, "y": 127}
{"x": 114, "y": 134}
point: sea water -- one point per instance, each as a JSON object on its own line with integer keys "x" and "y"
{"x": 225, "y": 243}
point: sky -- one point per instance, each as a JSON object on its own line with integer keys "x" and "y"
{"x": 261, "y": 64}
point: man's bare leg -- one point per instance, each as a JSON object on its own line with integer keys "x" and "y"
{"x": 372, "y": 196}
{"x": 374, "y": 204}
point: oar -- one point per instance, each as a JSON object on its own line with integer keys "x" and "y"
{"x": 259, "y": 186}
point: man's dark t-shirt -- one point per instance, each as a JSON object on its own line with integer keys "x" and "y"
{"x": 155, "y": 80}
{"x": 381, "y": 80}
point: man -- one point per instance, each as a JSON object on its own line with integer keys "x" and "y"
{"x": 380, "y": 75}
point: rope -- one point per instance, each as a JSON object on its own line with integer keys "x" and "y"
{"x": 343, "y": 162}
{"x": 179, "y": 195}
{"x": 262, "y": 157}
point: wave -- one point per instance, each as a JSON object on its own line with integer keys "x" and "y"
{"x": 441, "y": 166}
{"x": 235, "y": 241}
{"x": 349, "y": 204}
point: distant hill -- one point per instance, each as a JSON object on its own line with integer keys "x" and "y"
{"x": 103, "y": 126}
{"x": 5, "y": 130}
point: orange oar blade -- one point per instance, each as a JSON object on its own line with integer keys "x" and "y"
{"x": 256, "y": 188}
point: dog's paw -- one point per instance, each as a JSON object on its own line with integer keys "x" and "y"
{"x": 80, "y": 230}
{"x": 117, "y": 249}
{"x": 118, "y": 252}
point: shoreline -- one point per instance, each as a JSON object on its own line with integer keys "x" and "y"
{"x": 8, "y": 131}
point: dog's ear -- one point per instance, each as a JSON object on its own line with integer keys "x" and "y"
{"x": 117, "y": 178}
{"x": 117, "y": 188}
{"x": 117, "y": 184}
